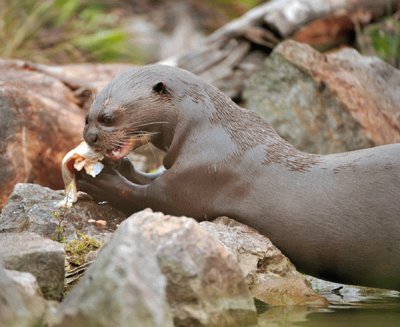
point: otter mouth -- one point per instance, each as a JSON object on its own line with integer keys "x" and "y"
{"x": 122, "y": 151}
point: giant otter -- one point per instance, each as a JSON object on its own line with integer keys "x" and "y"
{"x": 335, "y": 216}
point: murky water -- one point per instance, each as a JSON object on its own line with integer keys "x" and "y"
{"x": 350, "y": 306}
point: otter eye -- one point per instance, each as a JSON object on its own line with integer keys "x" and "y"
{"x": 106, "y": 119}
{"x": 160, "y": 88}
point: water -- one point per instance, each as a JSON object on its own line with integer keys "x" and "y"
{"x": 350, "y": 306}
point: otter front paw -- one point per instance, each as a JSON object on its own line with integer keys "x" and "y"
{"x": 127, "y": 169}
{"x": 107, "y": 186}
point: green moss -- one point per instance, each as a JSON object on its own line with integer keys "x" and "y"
{"x": 77, "y": 249}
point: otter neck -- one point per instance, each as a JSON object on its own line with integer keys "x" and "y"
{"x": 248, "y": 130}
{"x": 163, "y": 132}
{"x": 175, "y": 144}
{"x": 162, "y": 137}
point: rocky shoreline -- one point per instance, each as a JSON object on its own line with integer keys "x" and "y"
{"x": 160, "y": 269}
{"x": 93, "y": 266}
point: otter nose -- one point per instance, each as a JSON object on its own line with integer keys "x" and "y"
{"x": 91, "y": 138}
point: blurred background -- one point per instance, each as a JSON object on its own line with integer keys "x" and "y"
{"x": 142, "y": 31}
{"x": 134, "y": 31}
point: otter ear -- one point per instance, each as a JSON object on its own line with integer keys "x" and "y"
{"x": 160, "y": 88}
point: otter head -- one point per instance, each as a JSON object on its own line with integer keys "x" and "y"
{"x": 137, "y": 107}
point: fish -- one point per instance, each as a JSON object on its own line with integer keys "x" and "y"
{"x": 81, "y": 157}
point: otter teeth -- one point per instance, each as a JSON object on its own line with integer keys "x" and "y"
{"x": 116, "y": 152}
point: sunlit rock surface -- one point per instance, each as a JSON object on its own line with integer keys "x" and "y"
{"x": 43, "y": 258}
{"x": 327, "y": 103}
{"x": 123, "y": 287}
{"x": 205, "y": 286}
{"x": 19, "y": 308}
{"x": 32, "y": 208}
{"x": 25, "y": 281}
{"x": 270, "y": 276}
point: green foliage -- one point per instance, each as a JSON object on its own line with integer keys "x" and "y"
{"x": 247, "y": 4}
{"x": 383, "y": 40}
{"x": 63, "y": 31}
{"x": 234, "y": 8}
{"x": 59, "y": 216}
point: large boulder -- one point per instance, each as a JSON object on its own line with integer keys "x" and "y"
{"x": 25, "y": 281}
{"x": 17, "y": 307}
{"x": 123, "y": 287}
{"x": 205, "y": 286}
{"x": 43, "y": 258}
{"x": 40, "y": 121}
{"x": 42, "y": 110}
{"x": 327, "y": 103}
{"x": 270, "y": 276}
{"x": 32, "y": 208}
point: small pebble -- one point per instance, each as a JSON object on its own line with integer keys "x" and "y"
{"x": 101, "y": 223}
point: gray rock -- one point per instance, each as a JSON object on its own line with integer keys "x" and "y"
{"x": 123, "y": 287}
{"x": 327, "y": 103}
{"x": 41, "y": 257}
{"x": 339, "y": 294}
{"x": 205, "y": 284}
{"x": 18, "y": 308}
{"x": 270, "y": 276}
{"x": 32, "y": 208}
{"x": 36, "y": 126}
{"x": 25, "y": 281}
